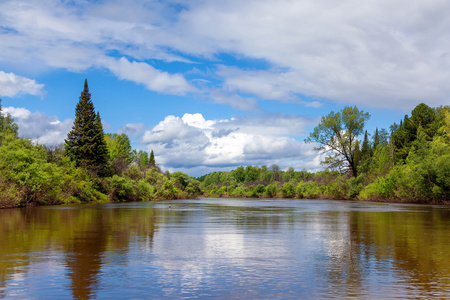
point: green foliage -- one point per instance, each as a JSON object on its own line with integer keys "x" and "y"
{"x": 151, "y": 159}
{"x": 7, "y": 125}
{"x": 423, "y": 177}
{"x": 100, "y": 148}
{"x": 141, "y": 159}
{"x": 85, "y": 143}
{"x": 355, "y": 186}
{"x": 26, "y": 173}
{"x": 381, "y": 161}
{"x": 288, "y": 190}
{"x": 259, "y": 189}
{"x": 34, "y": 175}
{"x": 168, "y": 190}
{"x": 382, "y": 187}
{"x": 121, "y": 189}
{"x": 337, "y": 133}
{"x": 423, "y": 117}
{"x": 180, "y": 180}
{"x": 133, "y": 172}
{"x": 272, "y": 190}
{"x": 336, "y": 189}
{"x": 119, "y": 146}
{"x": 145, "y": 191}
{"x": 308, "y": 190}
{"x": 376, "y": 139}
{"x": 239, "y": 174}
{"x": 193, "y": 188}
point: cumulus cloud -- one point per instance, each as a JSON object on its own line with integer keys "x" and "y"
{"x": 150, "y": 77}
{"x": 196, "y": 144}
{"x": 12, "y": 85}
{"x": 133, "y": 130}
{"x": 39, "y": 127}
{"x": 382, "y": 54}
{"x": 78, "y": 36}
{"x": 387, "y": 54}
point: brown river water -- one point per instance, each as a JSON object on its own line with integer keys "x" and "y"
{"x": 226, "y": 249}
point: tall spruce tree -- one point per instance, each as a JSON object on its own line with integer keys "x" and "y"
{"x": 376, "y": 140}
{"x": 100, "y": 148}
{"x": 85, "y": 143}
{"x": 151, "y": 159}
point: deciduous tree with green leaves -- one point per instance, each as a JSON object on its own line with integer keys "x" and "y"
{"x": 337, "y": 134}
{"x": 7, "y": 125}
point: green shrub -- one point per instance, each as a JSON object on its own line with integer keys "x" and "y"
{"x": 288, "y": 190}
{"x": 146, "y": 192}
{"x": 271, "y": 190}
{"x": 308, "y": 190}
{"x": 121, "y": 189}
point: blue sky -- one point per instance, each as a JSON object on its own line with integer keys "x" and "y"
{"x": 212, "y": 85}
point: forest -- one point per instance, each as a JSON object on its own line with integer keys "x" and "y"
{"x": 410, "y": 162}
{"x": 91, "y": 167}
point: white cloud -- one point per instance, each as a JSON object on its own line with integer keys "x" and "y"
{"x": 17, "y": 112}
{"x": 132, "y": 129}
{"x": 150, "y": 77}
{"x": 382, "y": 54}
{"x": 12, "y": 85}
{"x": 389, "y": 54}
{"x": 194, "y": 144}
{"x": 39, "y": 127}
{"x": 232, "y": 99}
{"x": 197, "y": 120}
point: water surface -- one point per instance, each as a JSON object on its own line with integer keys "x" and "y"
{"x": 226, "y": 248}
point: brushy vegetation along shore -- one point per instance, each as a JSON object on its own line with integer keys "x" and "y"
{"x": 409, "y": 164}
{"x": 35, "y": 175}
{"x": 91, "y": 168}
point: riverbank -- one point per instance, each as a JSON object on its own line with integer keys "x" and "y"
{"x": 399, "y": 185}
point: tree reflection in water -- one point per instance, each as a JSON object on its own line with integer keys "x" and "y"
{"x": 278, "y": 247}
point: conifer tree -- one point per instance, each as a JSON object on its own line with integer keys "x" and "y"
{"x": 85, "y": 143}
{"x": 356, "y": 157}
{"x": 365, "y": 150}
{"x": 365, "y": 155}
{"x": 100, "y": 147}
{"x": 376, "y": 140}
{"x": 152, "y": 159}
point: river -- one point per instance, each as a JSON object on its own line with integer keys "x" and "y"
{"x": 226, "y": 249}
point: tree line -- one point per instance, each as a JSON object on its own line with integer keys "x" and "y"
{"x": 91, "y": 166}
{"x": 410, "y": 162}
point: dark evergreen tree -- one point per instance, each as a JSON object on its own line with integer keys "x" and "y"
{"x": 422, "y": 116}
{"x": 152, "y": 161}
{"x": 100, "y": 147}
{"x": 356, "y": 158}
{"x": 365, "y": 150}
{"x": 85, "y": 143}
{"x": 365, "y": 155}
{"x": 376, "y": 139}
